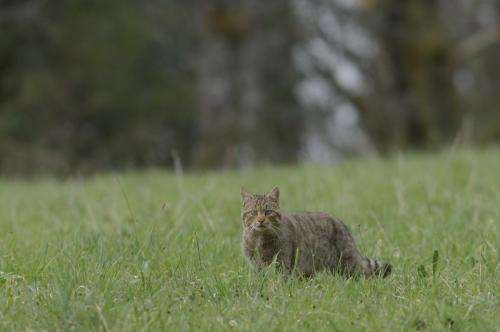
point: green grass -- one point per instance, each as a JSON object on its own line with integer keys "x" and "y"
{"x": 149, "y": 251}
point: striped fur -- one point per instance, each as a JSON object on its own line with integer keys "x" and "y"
{"x": 300, "y": 242}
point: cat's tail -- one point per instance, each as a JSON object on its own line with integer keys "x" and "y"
{"x": 377, "y": 268}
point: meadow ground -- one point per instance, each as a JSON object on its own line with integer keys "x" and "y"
{"x": 151, "y": 251}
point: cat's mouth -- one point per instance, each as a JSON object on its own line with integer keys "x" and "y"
{"x": 259, "y": 227}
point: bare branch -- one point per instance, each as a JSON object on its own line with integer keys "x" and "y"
{"x": 477, "y": 43}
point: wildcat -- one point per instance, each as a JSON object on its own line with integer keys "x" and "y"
{"x": 300, "y": 242}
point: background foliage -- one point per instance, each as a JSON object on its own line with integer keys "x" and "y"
{"x": 88, "y": 85}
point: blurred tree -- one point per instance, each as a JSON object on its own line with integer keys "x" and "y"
{"x": 91, "y": 85}
{"x": 419, "y": 59}
{"x": 477, "y": 63}
{"x": 400, "y": 64}
{"x": 248, "y": 108}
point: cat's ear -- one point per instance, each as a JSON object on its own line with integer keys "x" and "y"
{"x": 274, "y": 194}
{"x": 245, "y": 195}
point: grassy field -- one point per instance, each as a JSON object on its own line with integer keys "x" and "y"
{"x": 151, "y": 251}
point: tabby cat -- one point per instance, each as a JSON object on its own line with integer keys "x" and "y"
{"x": 300, "y": 242}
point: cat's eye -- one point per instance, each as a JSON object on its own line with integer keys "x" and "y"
{"x": 252, "y": 213}
{"x": 269, "y": 212}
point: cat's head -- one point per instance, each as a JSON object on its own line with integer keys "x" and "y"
{"x": 260, "y": 213}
